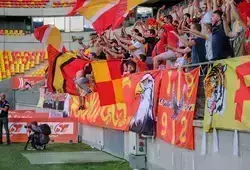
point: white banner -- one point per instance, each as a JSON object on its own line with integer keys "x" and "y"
{"x": 60, "y": 128}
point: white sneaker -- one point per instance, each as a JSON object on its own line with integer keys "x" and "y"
{"x": 31, "y": 149}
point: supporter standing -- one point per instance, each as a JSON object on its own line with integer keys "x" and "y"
{"x": 207, "y": 35}
{"x": 171, "y": 40}
{"x": 4, "y": 108}
{"x": 150, "y": 38}
{"x": 220, "y": 41}
{"x": 196, "y": 43}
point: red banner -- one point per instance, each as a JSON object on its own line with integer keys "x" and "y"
{"x": 63, "y": 130}
{"x": 20, "y": 82}
{"x": 27, "y": 114}
{"x": 176, "y": 107}
{"x": 118, "y": 116}
{"x": 141, "y": 94}
{"x": 113, "y": 116}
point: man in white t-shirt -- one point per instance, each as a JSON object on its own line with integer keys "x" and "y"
{"x": 137, "y": 48}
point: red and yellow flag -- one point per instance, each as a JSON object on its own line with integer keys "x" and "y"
{"x": 176, "y": 107}
{"x": 63, "y": 71}
{"x": 122, "y": 10}
{"x": 108, "y": 81}
{"x": 105, "y": 13}
{"x": 49, "y": 35}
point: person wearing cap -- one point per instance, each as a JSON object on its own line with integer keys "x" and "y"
{"x": 4, "y": 108}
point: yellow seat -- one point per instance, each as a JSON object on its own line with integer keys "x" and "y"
{"x": 21, "y": 32}
{"x": 15, "y": 32}
{"x": 6, "y": 32}
{"x": 11, "y": 32}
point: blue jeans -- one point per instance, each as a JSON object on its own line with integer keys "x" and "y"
{"x": 81, "y": 83}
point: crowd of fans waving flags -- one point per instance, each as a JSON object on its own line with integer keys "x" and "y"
{"x": 192, "y": 34}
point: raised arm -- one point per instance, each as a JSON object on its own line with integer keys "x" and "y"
{"x": 236, "y": 14}
{"x": 122, "y": 39}
{"x": 227, "y": 29}
{"x": 106, "y": 41}
{"x": 126, "y": 47}
{"x": 215, "y": 6}
{"x": 113, "y": 55}
{"x": 196, "y": 33}
{"x": 83, "y": 45}
{"x": 144, "y": 28}
{"x": 183, "y": 40}
{"x": 158, "y": 16}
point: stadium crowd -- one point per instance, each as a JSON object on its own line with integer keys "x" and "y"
{"x": 186, "y": 35}
{"x": 207, "y": 31}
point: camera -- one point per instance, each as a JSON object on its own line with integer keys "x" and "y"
{"x": 27, "y": 126}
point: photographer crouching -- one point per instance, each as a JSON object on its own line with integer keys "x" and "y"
{"x": 39, "y": 136}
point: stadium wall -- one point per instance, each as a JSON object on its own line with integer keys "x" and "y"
{"x": 163, "y": 156}
{"x": 160, "y": 154}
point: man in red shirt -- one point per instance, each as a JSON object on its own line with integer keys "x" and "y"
{"x": 170, "y": 39}
{"x": 160, "y": 45}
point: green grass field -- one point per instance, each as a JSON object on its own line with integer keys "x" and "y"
{"x": 11, "y": 158}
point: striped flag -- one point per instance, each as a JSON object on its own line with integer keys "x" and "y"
{"x": 105, "y": 13}
{"x": 123, "y": 9}
{"x": 79, "y": 4}
{"x": 63, "y": 72}
{"x": 49, "y": 35}
{"x": 63, "y": 65}
{"x": 108, "y": 79}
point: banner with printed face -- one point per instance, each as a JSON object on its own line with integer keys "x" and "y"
{"x": 26, "y": 81}
{"x": 176, "y": 107}
{"x": 141, "y": 96}
{"x": 51, "y": 100}
{"x": 63, "y": 130}
{"x": 227, "y": 90}
{"x": 136, "y": 114}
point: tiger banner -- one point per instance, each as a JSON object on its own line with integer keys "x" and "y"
{"x": 141, "y": 95}
{"x": 227, "y": 90}
{"x": 176, "y": 107}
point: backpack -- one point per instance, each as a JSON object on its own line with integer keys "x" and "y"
{"x": 45, "y": 129}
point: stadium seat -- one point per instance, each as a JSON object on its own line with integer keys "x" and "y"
{"x": 14, "y": 62}
{"x": 63, "y": 3}
{"x": 6, "y": 32}
{"x": 23, "y": 3}
{"x": 12, "y": 32}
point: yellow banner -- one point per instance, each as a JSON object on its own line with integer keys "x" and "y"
{"x": 227, "y": 90}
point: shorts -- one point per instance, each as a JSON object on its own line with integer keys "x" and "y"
{"x": 168, "y": 55}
